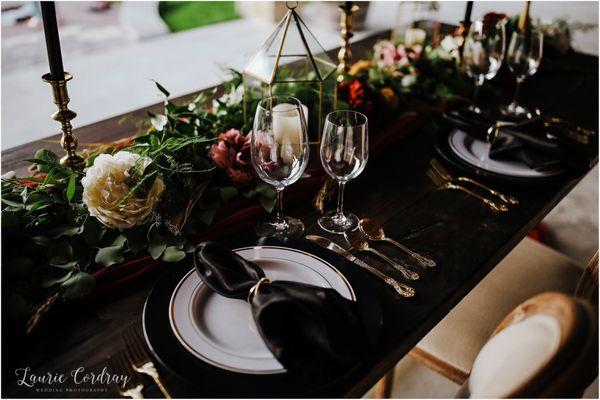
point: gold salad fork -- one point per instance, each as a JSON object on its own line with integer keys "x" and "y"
{"x": 443, "y": 172}
{"x": 120, "y": 365}
{"x": 444, "y": 184}
{"x": 140, "y": 359}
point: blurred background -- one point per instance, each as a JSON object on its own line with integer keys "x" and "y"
{"x": 114, "y": 49}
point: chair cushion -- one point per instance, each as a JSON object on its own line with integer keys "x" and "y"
{"x": 531, "y": 268}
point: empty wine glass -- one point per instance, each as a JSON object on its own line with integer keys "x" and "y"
{"x": 279, "y": 153}
{"x": 344, "y": 154}
{"x": 523, "y": 58}
{"x": 482, "y": 55}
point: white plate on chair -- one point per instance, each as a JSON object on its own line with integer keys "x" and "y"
{"x": 221, "y": 331}
{"x": 476, "y": 152}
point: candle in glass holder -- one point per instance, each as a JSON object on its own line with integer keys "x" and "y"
{"x": 287, "y": 129}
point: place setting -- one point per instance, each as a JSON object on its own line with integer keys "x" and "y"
{"x": 510, "y": 143}
{"x": 242, "y": 311}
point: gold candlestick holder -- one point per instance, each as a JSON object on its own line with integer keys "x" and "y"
{"x": 68, "y": 141}
{"x": 345, "y": 55}
{"x": 462, "y": 31}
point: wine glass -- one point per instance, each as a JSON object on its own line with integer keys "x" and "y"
{"x": 482, "y": 55}
{"x": 523, "y": 58}
{"x": 279, "y": 153}
{"x": 344, "y": 154}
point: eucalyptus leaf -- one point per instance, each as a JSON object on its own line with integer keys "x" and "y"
{"x": 78, "y": 285}
{"x": 157, "y": 246}
{"x": 110, "y": 255}
{"x": 50, "y": 276}
{"x": 267, "y": 203}
{"x": 60, "y": 253}
{"x": 206, "y": 216}
{"x": 173, "y": 254}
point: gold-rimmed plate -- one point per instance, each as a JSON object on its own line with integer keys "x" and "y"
{"x": 221, "y": 331}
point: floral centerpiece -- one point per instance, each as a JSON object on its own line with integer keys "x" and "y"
{"x": 404, "y": 77}
{"x": 147, "y": 197}
{"x": 144, "y": 195}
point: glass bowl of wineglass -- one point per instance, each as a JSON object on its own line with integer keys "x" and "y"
{"x": 344, "y": 153}
{"x": 523, "y": 57}
{"x": 279, "y": 151}
{"x": 482, "y": 56}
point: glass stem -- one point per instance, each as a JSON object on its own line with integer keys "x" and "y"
{"x": 340, "y": 203}
{"x": 279, "y": 213}
{"x": 478, "y": 83}
{"x": 517, "y": 91}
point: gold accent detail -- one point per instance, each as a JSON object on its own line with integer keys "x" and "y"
{"x": 254, "y": 289}
{"x": 64, "y": 116}
{"x": 345, "y": 55}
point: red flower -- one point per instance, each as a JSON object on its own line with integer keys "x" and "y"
{"x": 491, "y": 19}
{"x": 353, "y": 93}
{"x": 232, "y": 153}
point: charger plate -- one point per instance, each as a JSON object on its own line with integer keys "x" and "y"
{"x": 442, "y": 140}
{"x": 221, "y": 331}
{"x": 477, "y": 153}
{"x": 193, "y": 374}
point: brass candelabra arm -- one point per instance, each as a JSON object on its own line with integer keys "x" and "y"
{"x": 345, "y": 55}
{"x": 68, "y": 141}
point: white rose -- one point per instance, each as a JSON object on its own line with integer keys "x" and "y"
{"x": 105, "y": 185}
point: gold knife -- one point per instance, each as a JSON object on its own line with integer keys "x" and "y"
{"x": 400, "y": 288}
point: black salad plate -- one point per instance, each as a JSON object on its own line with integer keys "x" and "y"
{"x": 443, "y": 149}
{"x": 209, "y": 381}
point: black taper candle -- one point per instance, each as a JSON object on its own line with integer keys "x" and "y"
{"x": 52, "y": 40}
{"x": 467, "y": 19}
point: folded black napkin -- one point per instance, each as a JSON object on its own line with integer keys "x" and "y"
{"x": 313, "y": 332}
{"x": 539, "y": 143}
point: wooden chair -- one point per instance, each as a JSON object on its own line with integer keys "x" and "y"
{"x": 530, "y": 269}
{"x": 547, "y": 347}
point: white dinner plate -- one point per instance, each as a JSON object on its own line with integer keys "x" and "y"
{"x": 477, "y": 153}
{"x": 221, "y": 331}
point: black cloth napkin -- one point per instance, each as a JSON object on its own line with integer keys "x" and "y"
{"x": 313, "y": 332}
{"x": 539, "y": 143}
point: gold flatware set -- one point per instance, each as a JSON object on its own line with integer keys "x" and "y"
{"x": 444, "y": 180}
{"x": 359, "y": 239}
{"x": 134, "y": 361}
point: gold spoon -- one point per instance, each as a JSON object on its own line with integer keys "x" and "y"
{"x": 359, "y": 241}
{"x": 375, "y": 232}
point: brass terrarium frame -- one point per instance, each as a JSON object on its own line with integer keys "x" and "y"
{"x": 266, "y": 72}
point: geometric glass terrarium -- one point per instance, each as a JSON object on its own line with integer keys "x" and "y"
{"x": 291, "y": 62}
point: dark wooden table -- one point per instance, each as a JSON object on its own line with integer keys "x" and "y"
{"x": 465, "y": 237}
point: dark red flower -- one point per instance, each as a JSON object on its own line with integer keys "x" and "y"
{"x": 232, "y": 154}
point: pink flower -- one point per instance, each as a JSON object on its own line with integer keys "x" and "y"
{"x": 232, "y": 154}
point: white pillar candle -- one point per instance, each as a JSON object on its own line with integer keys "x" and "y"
{"x": 414, "y": 36}
{"x": 287, "y": 129}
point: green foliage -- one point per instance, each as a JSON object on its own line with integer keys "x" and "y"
{"x": 50, "y": 241}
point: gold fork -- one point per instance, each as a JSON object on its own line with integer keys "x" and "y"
{"x": 120, "y": 365}
{"x": 140, "y": 359}
{"x": 443, "y": 184}
{"x": 443, "y": 172}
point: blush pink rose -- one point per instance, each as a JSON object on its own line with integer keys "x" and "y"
{"x": 232, "y": 154}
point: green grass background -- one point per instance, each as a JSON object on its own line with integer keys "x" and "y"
{"x": 182, "y": 15}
